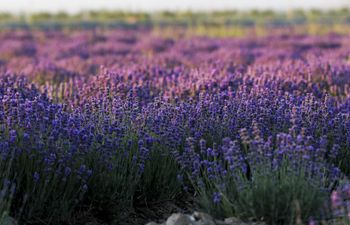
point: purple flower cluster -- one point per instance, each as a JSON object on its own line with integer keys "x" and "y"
{"x": 89, "y": 113}
{"x": 340, "y": 201}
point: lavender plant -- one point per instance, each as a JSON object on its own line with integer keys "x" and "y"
{"x": 275, "y": 181}
{"x": 102, "y": 123}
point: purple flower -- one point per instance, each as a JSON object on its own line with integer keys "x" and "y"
{"x": 36, "y": 177}
{"x": 85, "y": 187}
{"x": 13, "y": 136}
{"x": 216, "y": 197}
{"x": 67, "y": 171}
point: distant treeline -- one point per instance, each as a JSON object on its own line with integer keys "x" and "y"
{"x": 185, "y": 18}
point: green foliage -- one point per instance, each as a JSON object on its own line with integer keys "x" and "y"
{"x": 276, "y": 197}
{"x": 113, "y": 185}
{"x": 51, "y": 191}
{"x": 128, "y": 182}
{"x": 6, "y": 195}
{"x": 159, "y": 181}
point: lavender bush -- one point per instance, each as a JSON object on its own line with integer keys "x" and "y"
{"x": 107, "y": 121}
{"x": 251, "y": 178}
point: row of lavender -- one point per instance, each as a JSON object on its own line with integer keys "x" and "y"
{"x": 254, "y": 127}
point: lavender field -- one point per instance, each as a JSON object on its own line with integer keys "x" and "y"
{"x": 124, "y": 126}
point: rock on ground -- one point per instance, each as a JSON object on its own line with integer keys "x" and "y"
{"x": 200, "y": 218}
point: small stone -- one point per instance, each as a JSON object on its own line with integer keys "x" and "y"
{"x": 179, "y": 219}
{"x": 259, "y": 223}
{"x": 233, "y": 221}
{"x": 220, "y": 222}
{"x": 203, "y": 218}
{"x": 152, "y": 223}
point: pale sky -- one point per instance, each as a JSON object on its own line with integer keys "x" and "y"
{"x": 73, "y": 6}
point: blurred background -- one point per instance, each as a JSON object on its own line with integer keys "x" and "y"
{"x": 194, "y": 17}
{"x": 74, "y": 6}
